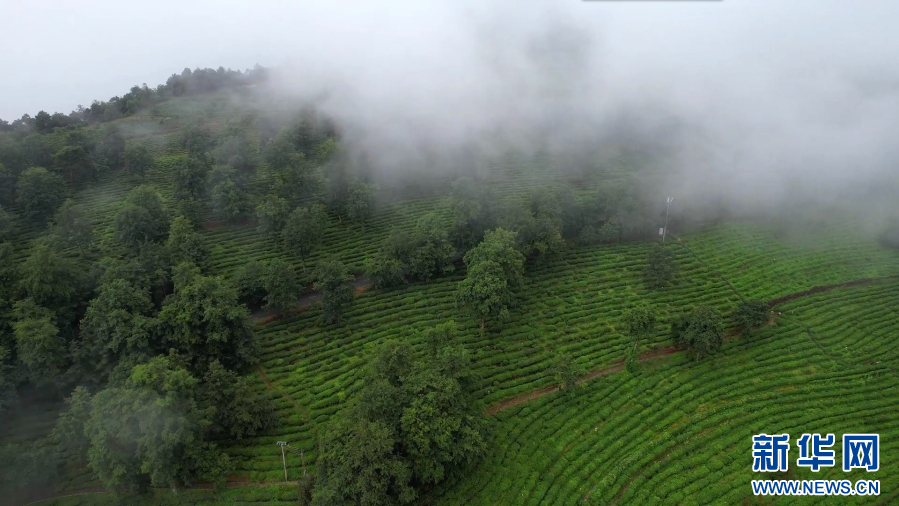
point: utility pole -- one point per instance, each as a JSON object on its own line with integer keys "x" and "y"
{"x": 303, "y": 458}
{"x": 282, "y": 444}
{"x": 667, "y": 207}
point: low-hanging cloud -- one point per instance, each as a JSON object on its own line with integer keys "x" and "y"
{"x": 751, "y": 99}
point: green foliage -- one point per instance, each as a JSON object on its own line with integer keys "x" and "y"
{"x": 303, "y": 230}
{"x": 112, "y": 147}
{"x": 282, "y": 286}
{"x": 69, "y": 429}
{"x": 250, "y": 282}
{"x": 701, "y": 332}
{"x": 7, "y": 225}
{"x": 197, "y": 141}
{"x": 141, "y": 219}
{"x": 117, "y": 323}
{"x": 151, "y": 431}
{"x": 413, "y": 423}
{"x": 39, "y": 192}
{"x": 566, "y": 372}
{"x": 138, "y": 160}
{"x": 272, "y": 215}
{"x": 50, "y": 279}
{"x": 750, "y": 314}
{"x": 495, "y": 271}
{"x": 185, "y": 244}
{"x": 7, "y": 382}
{"x": 203, "y": 322}
{"x": 383, "y": 271}
{"x": 639, "y": 321}
{"x": 75, "y": 162}
{"x": 660, "y": 267}
{"x": 359, "y": 201}
{"x": 189, "y": 180}
{"x": 235, "y": 152}
{"x": 73, "y": 226}
{"x": 239, "y": 409}
{"x": 38, "y": 343}
{"x": 538, "y": 223}
{"x": 424, "y": 252}
{"x": 474, "y": 212}
{"x": 229, "y": 201}
{"x": 336, "y": 287}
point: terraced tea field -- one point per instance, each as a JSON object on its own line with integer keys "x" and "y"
{"x": 680, "y": 432}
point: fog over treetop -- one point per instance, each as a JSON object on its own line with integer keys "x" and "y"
{"x": 770, "y": 94}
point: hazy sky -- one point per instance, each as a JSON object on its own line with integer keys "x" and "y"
{"x": 767, "y": 87}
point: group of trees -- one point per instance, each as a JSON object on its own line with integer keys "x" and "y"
{"x": 415, "y": 422}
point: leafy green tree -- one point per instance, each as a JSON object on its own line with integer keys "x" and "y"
{"x": 141, "y": 219}
{"x": 138, "y": 160}
{"x": 250, "y": 282}
{"x": 566, "y": 372}
{"x": 272, "y": 215}
{"x": 235, "y": 152}
{"x": 39, "y": 192}
{"x": 7, "y": 225}
{"x": 76, "y": 162}
{"x": 336, "y": 287}
{"x": 185, "y": 244}
{"x": 282, "y": 286}
{"x": 750, "y": 314}
{"x": 383, "y": 271}
{"x": 197, "y": 141}
{"x": 425, "y": 251}
{"x": 639, "y": 323}
{"x": 359, "y": 202}
{"x": 415, "y": 420}
{"x": 202, "y": 321}
{"x": 112, "y": 147}
{"x": 660, "y": 267}
{"x": 7, "y": 184}
{"x": 240, "y": 409}
{"x": 474, "y": 212}
{"x": 702, "y": 332}
{"x": 495, "y": 271}
{"x": 189, "y": 178}
{"x": 229, "y": 201}
{"x": 69, "y": 429}
{"x": 150, "y": 431}
{"x": 303, "y": 231}
{"x": 72, "y": 226}
{"x": 50, "y": 279}
{"x": 117, "y": 323}
{"x": 7, "y": 382}
{"x": 38, "y": 343}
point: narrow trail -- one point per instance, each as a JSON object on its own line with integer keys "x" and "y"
{"x": 671, "y": 350}
{"x": 361, "y": 284}
{"x": 301, "y": 409}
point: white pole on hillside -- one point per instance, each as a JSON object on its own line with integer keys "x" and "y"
{"x": 282, "y": 444}
{"x": 667, "y": 207}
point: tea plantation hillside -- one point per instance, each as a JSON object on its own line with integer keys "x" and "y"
{"x": 571, "y": 408}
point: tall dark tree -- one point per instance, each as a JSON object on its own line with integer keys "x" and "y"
{"x": 50, "y": 279}
{"x": 75, "y": 163}
{"x": 415, "y": 421}
{"x": 151, "y": 431}
{"x": 7, "y": 225}
{"x": 141, "y": 219}
{"x": 272, "y": 215}
{"x": 38, "y": 343}
{"x": 750, "y": 314}
{"x": 203, "y": 321}
{"x": 495, "y": 271}
{"x": 639, "y": 322}
{"x": 185, "y": 244}
{"x": 39, "y": 192}
{"x": 660, "y": 266}
{"x": 282, "y": 286}
{"x": 138, "y": 160}
{"x": 359, "y": 202}
{"x": 701, "y": 332}
{"x": 73, "y": 226}
{"x": 7, "y": 381}
{"x": 336, "y": 286}
{"x": 303, "y": 231}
